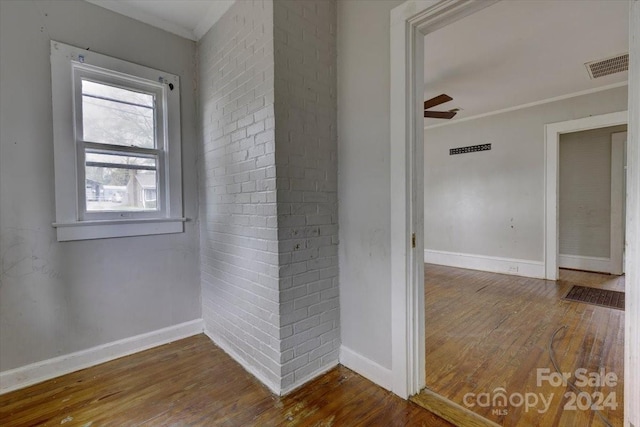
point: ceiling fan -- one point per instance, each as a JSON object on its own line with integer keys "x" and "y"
{"x": 440, "y": 99}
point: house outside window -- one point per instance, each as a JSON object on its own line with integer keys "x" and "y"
{"x": 116, "y": 146}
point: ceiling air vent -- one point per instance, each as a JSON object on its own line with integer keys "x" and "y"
{"x": 608, "y": 66}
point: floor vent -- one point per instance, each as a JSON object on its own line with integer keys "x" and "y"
{"x": 601, "y": 297}
{"x": 608, "y": 66}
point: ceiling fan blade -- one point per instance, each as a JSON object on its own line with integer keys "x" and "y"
{"x": 440, "y": 114}
{"x": 440, "y": 99}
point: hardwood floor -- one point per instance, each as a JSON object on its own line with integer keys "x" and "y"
{"x": 192, "y": 382}
{"x": 485, "y": 331}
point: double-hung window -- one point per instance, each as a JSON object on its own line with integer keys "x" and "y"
{"x": 116, "y": 146}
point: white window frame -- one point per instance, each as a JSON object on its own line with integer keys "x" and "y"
{"x": 69, "y": 65}
{"x": 83, "y": 71}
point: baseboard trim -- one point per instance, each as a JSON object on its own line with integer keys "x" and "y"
{"x": 34, "y": 373}
{"x": 293, "y": 387}
{"x": 512, "y": 266}
{"x": 227, "y": 348}
{"x": 366, "y": 367}
{"x": 276, "y": 389}
{"x": 576, "y": 262}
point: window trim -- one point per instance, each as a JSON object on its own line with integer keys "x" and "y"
{"x": 68, "y": 66}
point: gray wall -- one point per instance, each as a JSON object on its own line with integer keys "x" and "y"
{"x": 57, "y": 298}
{"x": 585, "y": 192}
{"x": 364, "y": 180}
{"x": 492, "y": 203}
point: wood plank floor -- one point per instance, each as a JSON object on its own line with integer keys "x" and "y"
{"x": 486, "y": 330}
{"x": 192, "y": 382}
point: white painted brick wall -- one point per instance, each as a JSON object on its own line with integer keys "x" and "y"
{"x": 268, "y": 180}
{"x": 239, "y": 252}
{"x": 307, "y": 174}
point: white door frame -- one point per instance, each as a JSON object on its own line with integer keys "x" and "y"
{"x": 552, "y": 183}
{"x": 618, "y": 142}
{"x": 632, "y": 270}
{"x": 409, "y": 23}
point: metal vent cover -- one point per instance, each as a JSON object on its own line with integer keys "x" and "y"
{"x": 605, "y": 67}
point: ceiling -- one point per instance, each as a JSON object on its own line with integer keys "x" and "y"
{"x": 509, "y": 54}
{"x": 190, "y": 19}
{"x": 519, "y": 52}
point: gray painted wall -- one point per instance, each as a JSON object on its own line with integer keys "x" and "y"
{"x": 364, "y": 181}
{"x": 58, "y": 298}
{"x": 584, "y": 223}
{"x": 492, "y": 203}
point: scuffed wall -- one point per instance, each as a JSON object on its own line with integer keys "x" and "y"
{"x": 364, "y": 191}
{"x": 58, "y": 298}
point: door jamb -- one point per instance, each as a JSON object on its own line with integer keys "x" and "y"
{"x": 410, "y": 22}
{"x": 618, "y": 199}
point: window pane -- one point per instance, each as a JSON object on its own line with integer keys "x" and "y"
{"x": 120, "y": 189}
{"x": 117, "y": 94}
{"x": 111, "y": 115}
{"x": 120, "y": 159}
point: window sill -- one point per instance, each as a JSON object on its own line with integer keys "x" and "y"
{"x": 104, "y": 229}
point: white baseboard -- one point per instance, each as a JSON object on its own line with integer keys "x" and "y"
{"x": 587, "y": 263}
{"x": 275, "y": 388}
{"x": 308, "y": 378}
{"x": 227, "y": 348}
{"x": 366, "y": 367}
{"x": 513, "y": 266}
{"x": 41, "y": 371}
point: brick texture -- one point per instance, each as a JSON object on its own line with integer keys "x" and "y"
{"x": 268, "y": 187}
{"x": 238, "y": 212}
{"x": 307, "y": 173}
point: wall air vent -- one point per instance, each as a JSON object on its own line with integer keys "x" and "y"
{"x": 605, "y": 67}
{"x": 470, "y": 149}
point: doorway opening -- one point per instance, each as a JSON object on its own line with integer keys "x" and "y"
{"x": 404, "y": 127}
{"x": 591, "y": 200}
{"x": 611, "y": 258}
